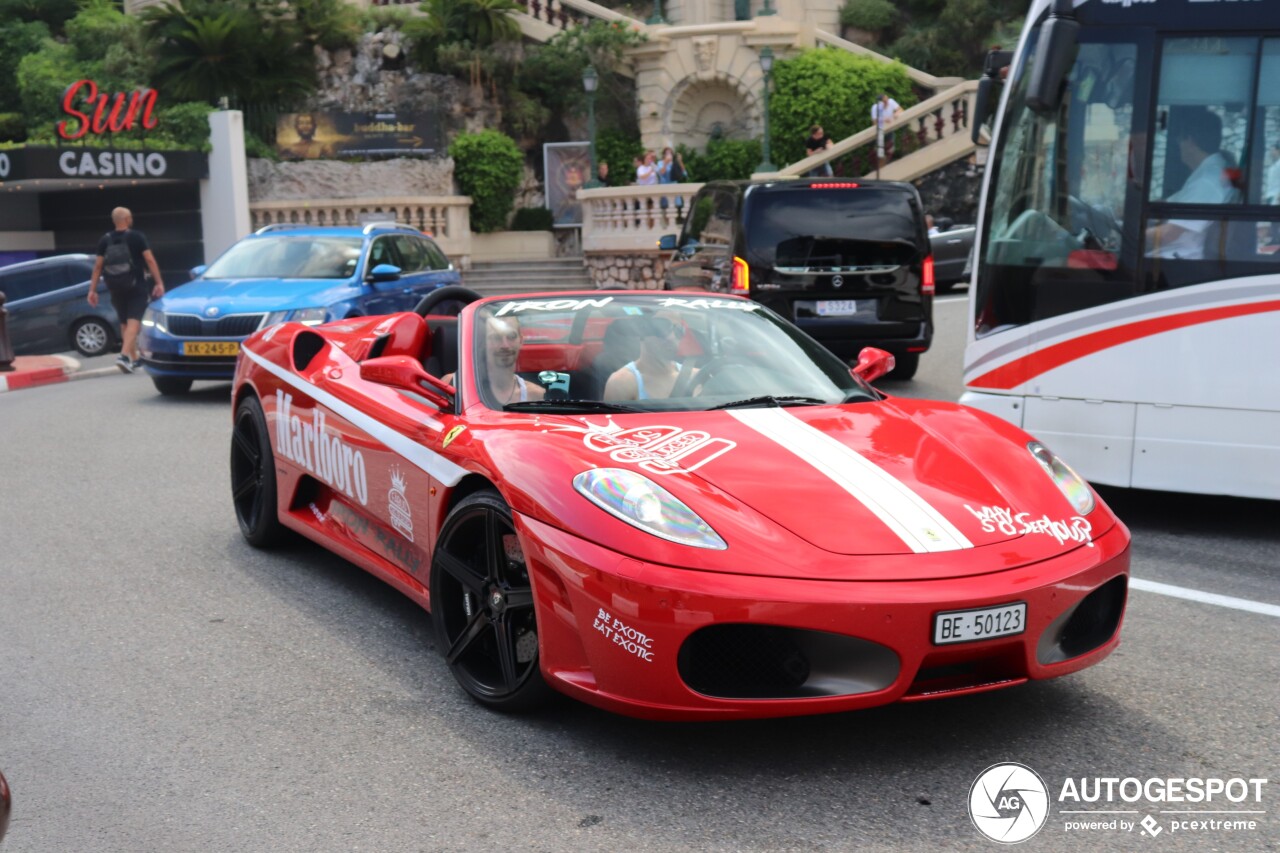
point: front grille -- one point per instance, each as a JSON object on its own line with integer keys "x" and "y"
{"x": 230, "y": 326}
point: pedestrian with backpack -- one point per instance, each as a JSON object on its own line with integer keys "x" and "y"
{"x": 123, "y": 259}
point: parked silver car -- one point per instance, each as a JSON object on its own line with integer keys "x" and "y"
{"x": 49, "y": 309}
{"x": 951, "y": 248}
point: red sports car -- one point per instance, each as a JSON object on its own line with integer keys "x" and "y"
{"x": 673, "y": 506}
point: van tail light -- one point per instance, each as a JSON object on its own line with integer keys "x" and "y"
{"x": 740, "y": 282}
{"x": 927, "y": 285}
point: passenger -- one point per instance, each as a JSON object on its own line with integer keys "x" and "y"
{"x": 1195, "y": 135}
{"x": 502, "y": 344}
{"x": 653, "y": 374}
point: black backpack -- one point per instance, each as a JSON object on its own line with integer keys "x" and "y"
{"x": 117, "y": 262}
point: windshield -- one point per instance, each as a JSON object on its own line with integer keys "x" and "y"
{"x": 817, "y": 228}
{"x": 649, "y": 352}
{"x": 1061, "y": 190}
{"x": 291, "y": 256}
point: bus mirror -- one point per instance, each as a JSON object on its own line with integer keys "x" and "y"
{"x": 1055, "y": 54}
{"x": 994, "y": 69}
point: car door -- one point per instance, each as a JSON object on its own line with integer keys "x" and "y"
{"x": 383, "y": 297}
{"x": 444, "y": 271}
{"x": 33, "y": 299}
{"x": 703, "y": 252}
{"x": 418, "y": 276}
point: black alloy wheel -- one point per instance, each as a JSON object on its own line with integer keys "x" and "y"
{"x": 482, "y": 606}
{"x": 253, "y": 476}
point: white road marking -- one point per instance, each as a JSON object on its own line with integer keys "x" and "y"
{"x": 1205, "y": 597}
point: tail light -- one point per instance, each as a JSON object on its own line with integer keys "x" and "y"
{"x": 927, "y": 285}
{"x": 740, "y": 281}
{"x": 834, "y": 185}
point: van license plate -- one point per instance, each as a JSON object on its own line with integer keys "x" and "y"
{"x": 210, "y": 348}
{"x": 964, "y": 626}
{"x": 845, "y": 307}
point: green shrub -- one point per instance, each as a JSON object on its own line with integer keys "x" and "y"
{"x": 532, "y": 219}
{"x": 619, "y": 150}
{"x": 723, "y": 160}
{"x": 829, "y": 87}
{"x": 873, "y": 15}
{"x": 12, "y": 126}
{"x": 488, "y": 167}
{"x": 184, "y": 124}
{"x": 255, "y": 147}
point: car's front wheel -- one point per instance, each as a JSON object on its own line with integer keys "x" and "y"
{"x": 253, "y": 476}
{"x": 482, "y": 606}
{"x": 92, "y": 336}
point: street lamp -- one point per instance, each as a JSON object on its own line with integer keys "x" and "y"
{"x": 656, "y": 17}
{"x": 766, "y": 65}
{"x": 589, "y": 82}
{"x": 767, "y": 10}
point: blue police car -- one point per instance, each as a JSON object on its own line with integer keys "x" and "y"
{"x": 308, "y": 274}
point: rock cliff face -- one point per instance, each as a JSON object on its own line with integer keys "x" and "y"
{"x": 316, "y": 179}
{"x": 952, "y": 191}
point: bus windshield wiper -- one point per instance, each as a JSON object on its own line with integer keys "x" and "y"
{"x": 770, "y": 400}
{"x": 568, "y": 406}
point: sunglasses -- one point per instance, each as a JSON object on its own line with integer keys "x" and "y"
{"x": 661, "y": 327}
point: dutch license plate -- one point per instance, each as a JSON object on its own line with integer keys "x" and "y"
{"x": 210, "y": 348}
{"x": 965, "y": 626}
{"x": 845, "y": 307}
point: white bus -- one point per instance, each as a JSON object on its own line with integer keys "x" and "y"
{"x": 1125, "y": 301}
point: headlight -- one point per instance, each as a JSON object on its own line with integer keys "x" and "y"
{"x": 275, "y": 318}
{"x": 309, "y": 316}
{"x": 154, "y": 319}
{"x": 1075, "y": 489}
{"x": 642, "y": 503}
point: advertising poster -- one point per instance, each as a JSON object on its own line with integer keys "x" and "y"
{"x": 566, "y": 166}
{"x": 323, "y": 135}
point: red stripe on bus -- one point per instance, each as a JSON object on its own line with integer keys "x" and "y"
{"x": 1021, "y": 370}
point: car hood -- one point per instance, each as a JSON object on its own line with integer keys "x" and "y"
{"x": 250, "y": 295}
{"x": 895, "y": 477}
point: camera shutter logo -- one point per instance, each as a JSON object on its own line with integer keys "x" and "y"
{"x": 1008, "y": 803}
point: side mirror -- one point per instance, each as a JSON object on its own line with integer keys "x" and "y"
{"x": 198, "y": 271}
{"x": 407, "y": 374}
{"x": 872, "y": 364}
{"x": 384, "y": 272}
{"x": 1055, "y": 55}
{"x": 993, "y": 67}
{"x": 667, "y": 243}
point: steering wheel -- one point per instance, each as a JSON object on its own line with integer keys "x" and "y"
{"x": 687, "y": 385}
{"x": 449, "y": 293}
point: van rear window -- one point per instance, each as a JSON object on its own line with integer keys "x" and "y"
{"x": 832, "y": 230}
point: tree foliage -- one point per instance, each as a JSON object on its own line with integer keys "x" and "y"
{"x": 619, "y": 149}
{"x": 723, "y": 159}
{"x": 244, "y": 50}
{"x": 829, "y": 87}
{"x": 17, "y": 40}
{"x": 948, "y": 38}
{"x": 52, "y": 13}
{"x": 552, "y": 73}
{"x": 488, "y": 167}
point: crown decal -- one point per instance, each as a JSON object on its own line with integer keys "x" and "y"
{"x": 397, "y": 480}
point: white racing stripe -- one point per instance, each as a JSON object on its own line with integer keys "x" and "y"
{"x": 1205, "y": 597}
{"x": 921, "y": 526}
{"x": 428, "y": 460}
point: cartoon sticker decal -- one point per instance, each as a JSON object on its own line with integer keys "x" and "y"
{"x": 657, "y": 449}
{"x": 1002, "y": 518}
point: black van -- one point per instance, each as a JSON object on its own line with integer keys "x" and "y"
{"x": 848, "y": 262}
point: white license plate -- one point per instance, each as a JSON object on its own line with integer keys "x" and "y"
{"x": 965, "y": 626}
{"x": 845, "y": 307}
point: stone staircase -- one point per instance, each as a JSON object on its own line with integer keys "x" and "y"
{"x": 501, "y": 279}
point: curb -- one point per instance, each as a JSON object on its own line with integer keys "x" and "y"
{"x": 63, "y": 369}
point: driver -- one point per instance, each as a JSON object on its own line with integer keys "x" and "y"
{"x": 502, "y": 344}
{"x": 654, "y": 373}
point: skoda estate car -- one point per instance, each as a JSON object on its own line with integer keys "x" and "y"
{"x": 304, "y": 274}
{"x": 847, "y": 261}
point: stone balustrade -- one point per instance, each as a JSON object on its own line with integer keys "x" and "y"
{"x": 446, "y": 218}
{"x": 621, "y": 227}
{"x": 922, "y": 138}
